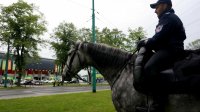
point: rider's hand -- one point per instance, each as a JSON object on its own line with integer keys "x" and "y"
{"x": 141, "y": 43}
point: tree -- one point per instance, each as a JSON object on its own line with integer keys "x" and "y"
{"x": 112, "y": 37}
{"x": 194, "y": 45}
{"x": 118, "y": 39}
{"x": 85, "y": 34}
{"x": 134, "y": 36}
{"x": 21, "y": 25}
{"x": 61, "y": 40}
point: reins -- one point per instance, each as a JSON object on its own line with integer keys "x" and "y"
{"x": 120, "y": 70}
{"x": 77, "y": 76}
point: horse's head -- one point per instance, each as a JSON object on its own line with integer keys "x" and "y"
{"x": 74, "y": 62}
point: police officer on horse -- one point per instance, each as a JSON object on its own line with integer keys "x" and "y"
{"x": 168, "y": 44}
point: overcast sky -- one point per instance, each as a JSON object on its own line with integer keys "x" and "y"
{"x": 121, "y": 14}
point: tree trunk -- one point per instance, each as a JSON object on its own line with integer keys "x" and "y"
{"x": 19, "y": 78}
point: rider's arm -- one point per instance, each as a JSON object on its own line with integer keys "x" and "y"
{"x": 162, "y": 33}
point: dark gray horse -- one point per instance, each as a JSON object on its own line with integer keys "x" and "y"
{"x": 117, "y": 68}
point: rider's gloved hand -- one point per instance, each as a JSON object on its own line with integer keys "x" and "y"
{"x": 141, "y": 43}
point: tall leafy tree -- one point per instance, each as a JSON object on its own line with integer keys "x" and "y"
{"x": 105, "y": 37}
{"x": 112, "y": 37}
{"x": 134, "y": 36}
{"x": 61, "y": 40}
{"x": 21, "y": 25}
{"x": 85, "y": 34}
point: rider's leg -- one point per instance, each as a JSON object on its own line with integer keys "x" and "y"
{"x": 151, "y": 75}
{"x": 161, "y": 60}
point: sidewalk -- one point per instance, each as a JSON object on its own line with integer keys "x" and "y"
{"x": 46, "y": 90}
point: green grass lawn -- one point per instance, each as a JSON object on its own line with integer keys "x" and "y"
{"x": 76, "y": 102}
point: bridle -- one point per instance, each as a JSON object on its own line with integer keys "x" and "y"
{"x": 81, "y": 64}
{"x": 71, "y": 61}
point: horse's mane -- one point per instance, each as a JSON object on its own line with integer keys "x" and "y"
{"x": 106, "y": 55}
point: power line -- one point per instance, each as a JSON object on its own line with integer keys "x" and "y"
{"x": 97, "y": 12}
{"x": 99, "y": 18}
{"x": 89, "y": 19}
{"x": 100, "y": 14}
{"x": 179, "y": 3}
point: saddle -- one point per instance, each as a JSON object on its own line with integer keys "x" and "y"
{"x": 182, "y": 78}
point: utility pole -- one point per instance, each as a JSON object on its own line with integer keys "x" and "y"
{"x": 94, "y": 41}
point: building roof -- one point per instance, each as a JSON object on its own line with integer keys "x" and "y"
{"x": 41, "y": 64}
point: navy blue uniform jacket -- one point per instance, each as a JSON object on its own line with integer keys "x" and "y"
{"x": 169, "y": 33}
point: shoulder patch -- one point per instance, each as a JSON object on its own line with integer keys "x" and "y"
{"x": 167, "y": 13}
{"x": 159, "y": 28}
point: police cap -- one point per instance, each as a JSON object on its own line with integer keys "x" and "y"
{"x": 153, "y": 6}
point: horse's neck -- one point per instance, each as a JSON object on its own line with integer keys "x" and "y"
{"x": 108, "y": 70}
{"x": 108, "y": 73}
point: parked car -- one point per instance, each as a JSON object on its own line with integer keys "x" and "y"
{"x": 26, "y": 82}
{"x": 50, "y": 81}
{"x": 37, "y": 82}
{"x": 22, "y": 81}
{"x": 44, "y": 81}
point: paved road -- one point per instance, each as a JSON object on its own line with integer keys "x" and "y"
{"x": 41, "y": 91}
